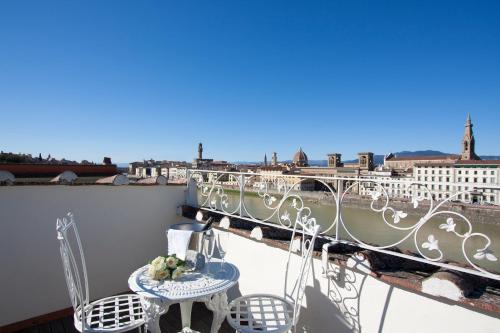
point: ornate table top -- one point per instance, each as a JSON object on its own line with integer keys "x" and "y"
{"x": 190, "y": 286}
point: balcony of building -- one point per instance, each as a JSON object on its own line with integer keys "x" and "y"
{"x": 354, "y": 285}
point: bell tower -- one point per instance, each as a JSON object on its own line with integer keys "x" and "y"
{"x": 200, "y": 151}
{"x": 334, "y": 160}
{"x": 274, "y": 160}
{"x": 365, "y": 161}
{"x": 468, "y": 142}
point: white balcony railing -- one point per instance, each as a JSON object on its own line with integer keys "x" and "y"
{"x": 422, "y": 218}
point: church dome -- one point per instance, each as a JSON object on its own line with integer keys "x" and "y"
{"x": 300, "y": 158}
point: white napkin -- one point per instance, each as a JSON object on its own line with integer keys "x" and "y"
{"x": 178, "y": 242}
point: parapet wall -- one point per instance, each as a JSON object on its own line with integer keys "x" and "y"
{"x": 121, "y": 227}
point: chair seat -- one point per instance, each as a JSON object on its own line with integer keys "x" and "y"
{"x": 112, "y": 314}
{"x": 260, "y": 313}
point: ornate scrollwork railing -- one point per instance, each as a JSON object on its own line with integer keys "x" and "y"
{"x": 409, "y": 217}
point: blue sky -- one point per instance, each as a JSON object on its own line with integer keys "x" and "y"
{"x": 151, "y": 79}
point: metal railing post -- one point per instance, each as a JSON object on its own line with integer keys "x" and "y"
{"x": 340, "y": 191}
{"x": 192, "y": 194}
{"x": 242, "y": 192}
{"x": 188, "y": 176}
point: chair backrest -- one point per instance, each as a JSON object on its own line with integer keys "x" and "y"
{"x": 305, "y": 232}
{"x": 73, "y": 260}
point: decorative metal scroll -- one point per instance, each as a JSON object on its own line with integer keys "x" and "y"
{"x": 282, "y": 198}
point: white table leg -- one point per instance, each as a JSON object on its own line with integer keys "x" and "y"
{"x": 186, "y": 308}
{"x": 153, "y": 309}
{"x": 218, "y": 305}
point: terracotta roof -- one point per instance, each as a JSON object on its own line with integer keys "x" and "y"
{"x": 461, "y": 162}
{"x": 435, "y": 164}
{"x": 52, "y": 170}
{"x": 473, "y": 162}
{"x": 423, "y": 158}
{"x": 273, "y": 168}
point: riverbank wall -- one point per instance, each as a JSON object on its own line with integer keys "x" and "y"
{"x": 476, "y": 213}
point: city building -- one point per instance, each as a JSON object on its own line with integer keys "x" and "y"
{"x": 200, "y": 162}
{"x": 274, "y": 160}
{"x": 300, "y": 159}
{"x": 346, "y": 171}
{"x": 405, "y": 163}
{"x": 463, "y": 175}
{"x": 447, "y": 176}
{"x": 39, "y": 170}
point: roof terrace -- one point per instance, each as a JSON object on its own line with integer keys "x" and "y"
{"x": 375, "y": 268}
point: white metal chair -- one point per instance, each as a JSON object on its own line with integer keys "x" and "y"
{"x": 271, "y": 313}
{"x": 111, "y": 314}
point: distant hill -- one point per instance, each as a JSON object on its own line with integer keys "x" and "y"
{"x": 122, "y": 165}
{"x": 489, "y": 157}
{"x": 379, "y": 159}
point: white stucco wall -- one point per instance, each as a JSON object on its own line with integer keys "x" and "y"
{"x": 121, "y": 227}
{"x": 354, "y": 302}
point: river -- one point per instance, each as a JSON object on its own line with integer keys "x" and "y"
{"x": 369, "y": 227}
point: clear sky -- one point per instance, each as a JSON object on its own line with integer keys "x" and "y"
{"x": 151, "y": 79}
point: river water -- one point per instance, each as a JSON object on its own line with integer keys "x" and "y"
{"x": 369, "y": 227}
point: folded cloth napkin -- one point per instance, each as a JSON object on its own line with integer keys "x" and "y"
{"x": 178, "y": 242}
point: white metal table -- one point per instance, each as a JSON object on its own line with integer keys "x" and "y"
{"x": 156, "y": 296}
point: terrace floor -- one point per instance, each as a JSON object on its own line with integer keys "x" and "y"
{"x": 201, "y": 321}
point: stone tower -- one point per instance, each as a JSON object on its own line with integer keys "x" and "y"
{"x": 274, "y": 159}
{"x": 365, "y": 161}
{"x": 200, "y": 151}
{"x": 468, "y": 142}
{"x": 334, "y": 160}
